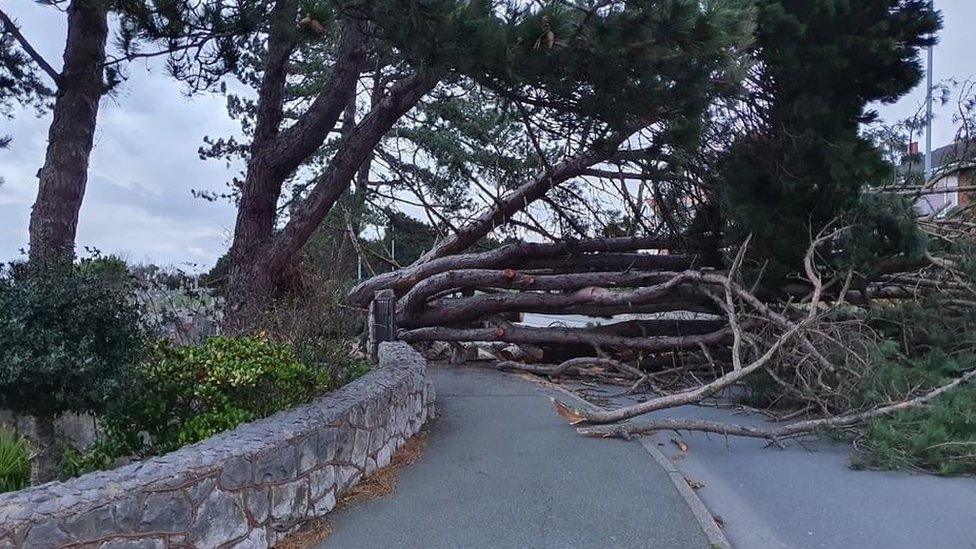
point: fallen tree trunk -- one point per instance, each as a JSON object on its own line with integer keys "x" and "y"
{"x": 510, "y": 279}
{"x": 661, "y": 327}
{"x": 574, "y": 366}
{"x": 676, "y": 303}
{"x": 459, "y": 310}
{"x": 567, "y": 336}
{"x": 621, "y": 261}
{"x": 402, "y": 280}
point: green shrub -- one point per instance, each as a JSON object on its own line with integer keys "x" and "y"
{"x": 68, "y": 336}
{"x": 186, "y": 394}
{"x": 72, "y": 463}
{"x": 14, "y": 462}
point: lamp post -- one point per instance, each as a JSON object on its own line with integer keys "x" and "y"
{"x": 928, "y": 110}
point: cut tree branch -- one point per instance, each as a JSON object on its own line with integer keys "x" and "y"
{"x": 503, "y": 257}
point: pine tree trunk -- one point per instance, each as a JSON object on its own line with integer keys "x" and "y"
{"x": 64, "y": 175}
{"x": 45, "y": 467}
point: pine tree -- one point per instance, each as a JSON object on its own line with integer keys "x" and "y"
{"x": 820, "y": 63}
{"x": 602, "y": 70}
{"x": 20, "y": 80}
{"x": 87, "y": 75}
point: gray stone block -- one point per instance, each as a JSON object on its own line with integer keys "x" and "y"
{"x": 289, "y": 502}
{"x": 46, "y": 534}
{"x": 235, "y": 473}
{"x": 220, "y": 519}
{"x": 92, "y": 524}
{"x": 257, "y": 539}
{"x": 166, "y": 512}
{"x": 360, "y": 448}
{"x": 258, "y": 502}
{"x": 276, "y": 465}
{"x": 322, "y": 481}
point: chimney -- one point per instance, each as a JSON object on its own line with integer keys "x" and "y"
{"x": 913, "y": 148}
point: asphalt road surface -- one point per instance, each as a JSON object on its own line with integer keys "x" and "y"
{"x": 501, "y": 470}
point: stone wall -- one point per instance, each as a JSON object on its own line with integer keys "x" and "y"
{"x": 244, "y": 488}
{"x": 78, "y": 430}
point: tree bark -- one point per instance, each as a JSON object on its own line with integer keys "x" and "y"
{"x": 457, "y": 311}
{"x": 567, "y": 336}
{"x": 335, "y": 180}
{"x": 275, "y": 154}
{"x": 416, "y": 299}
{"x": 256, "y": 273}
{"x": 510, "y": 255}
{"x": 64, "y": 175}
{"x": 45, "y": 467}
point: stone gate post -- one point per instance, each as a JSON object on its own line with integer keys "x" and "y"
{"x": 380, "y": 322}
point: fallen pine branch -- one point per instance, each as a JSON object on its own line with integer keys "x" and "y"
{"x": 627, "y": 430}
{"x": 690, "y": 396}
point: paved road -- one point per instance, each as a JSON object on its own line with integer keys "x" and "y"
{"x": 501, "y": 470}
{"x": 807, "y": 496}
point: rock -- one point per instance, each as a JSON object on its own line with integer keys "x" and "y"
{"x": 166, "y": 512}
{"x": 220, "y": 518}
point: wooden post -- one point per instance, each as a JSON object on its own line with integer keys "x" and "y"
{"x": 381, "y": 322}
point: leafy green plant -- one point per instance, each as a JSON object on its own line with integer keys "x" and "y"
{"x": 186, "y": 394}
{"x": 69, "y": 335}
{"x": 14, "y": 462}
{"x": 941, "y": 438}
{"x": 333, "y": 355}
{"x": 73, "y": 463}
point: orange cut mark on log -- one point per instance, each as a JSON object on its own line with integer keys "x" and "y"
{"x": 509, "y": 274}
{"x": 572, "y": 415}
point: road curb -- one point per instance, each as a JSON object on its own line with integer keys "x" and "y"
{"x": 716, "y": 538}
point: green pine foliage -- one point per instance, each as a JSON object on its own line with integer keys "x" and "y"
{"x": 819, "y": 64}
{"x": 923, "y": 348}
{"x": 21, "y": 83}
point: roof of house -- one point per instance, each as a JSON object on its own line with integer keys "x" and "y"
{"x": 943, "y": 158}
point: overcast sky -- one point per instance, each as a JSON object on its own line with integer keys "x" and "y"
{"x": 145, "y": 162}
